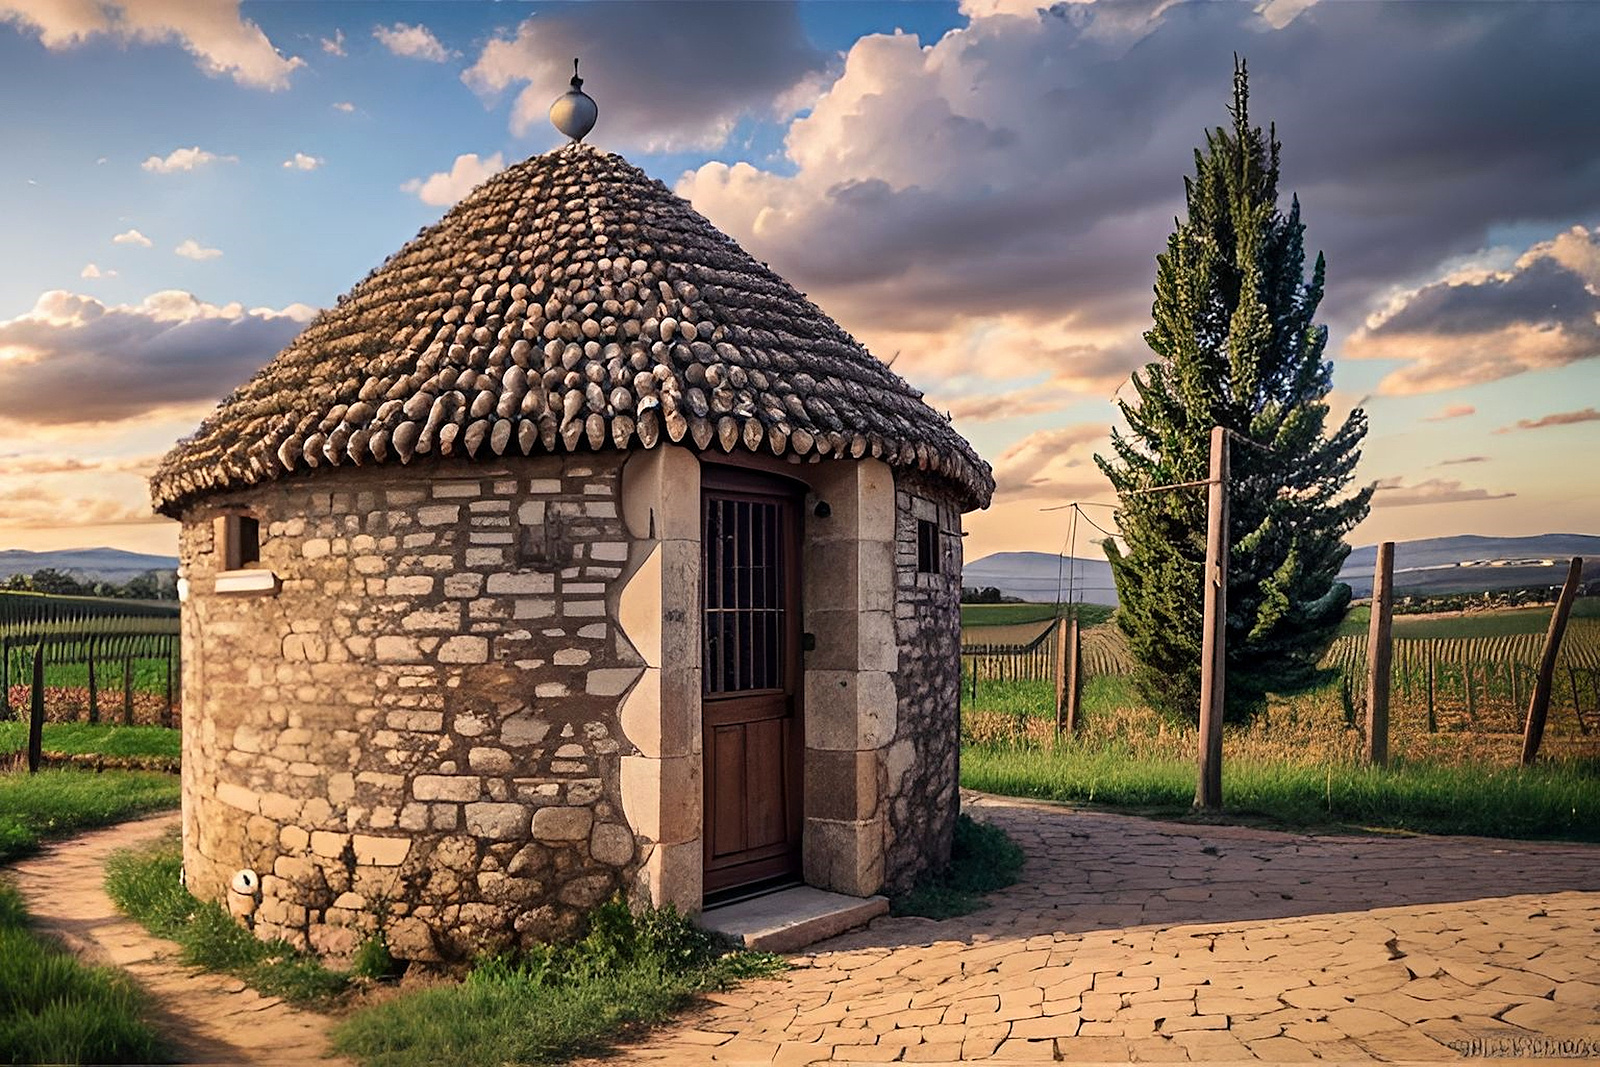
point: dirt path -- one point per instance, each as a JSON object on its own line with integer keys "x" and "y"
{"x": 1134, "y": 940}
{"x": 206, "y": 1018}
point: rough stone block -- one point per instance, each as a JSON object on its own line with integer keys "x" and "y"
{"x": 844, "y": 856}
{"x": 611, "y": 844}
{"x": 850, "y": 710}
{"x": 464, "y": 648}
{"x": 489, "y": 760}
{"x": 328, "y": 845}
{"x": 409, "y": 585}
{"x": 662, "y": 797}
{"x": 522, "y": 582}
{"x": 381, "y": 851}
{"x": 456, "y": 787}
{"x": 439, "y": 514}
{"x": 841, "y": 786}
{"x": 610, "y": 681}
{"x": 562, "y": 824}
{"x": 394, "y": 649}
{"x": 498, "y": 821}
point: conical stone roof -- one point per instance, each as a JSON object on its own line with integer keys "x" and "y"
{"x": 569, "y": 303}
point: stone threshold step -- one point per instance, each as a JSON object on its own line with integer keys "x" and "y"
{"x": 791, "y": 919}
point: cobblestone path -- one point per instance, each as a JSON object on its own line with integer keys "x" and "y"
{"x": 1132, "y": 940}
{"x": 206, "y": 1018}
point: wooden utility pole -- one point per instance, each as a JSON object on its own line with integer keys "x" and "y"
{"x": 1380, "y": 648}
{"x": 1539, "y": 706}
{"x": 1213, "y": 662}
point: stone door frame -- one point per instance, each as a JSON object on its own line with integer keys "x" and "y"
{"x": 848, "y": 584}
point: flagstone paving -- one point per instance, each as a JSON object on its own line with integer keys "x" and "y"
{"x": 1133, "y": 940}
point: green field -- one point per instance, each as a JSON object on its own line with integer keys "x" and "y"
{"x": 99, "y": 739}
{"x": 1011, "y": 614}
{"x": 1505, "y": 622}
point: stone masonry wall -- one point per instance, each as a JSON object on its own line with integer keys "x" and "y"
{"x": 421, "y": 724}
{"x": 922, "y": 762}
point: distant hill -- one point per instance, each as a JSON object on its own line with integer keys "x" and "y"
{"x": 1035, "y": 577}
{"x": 99, "y": 564}
{"x": 1462, "y": 564}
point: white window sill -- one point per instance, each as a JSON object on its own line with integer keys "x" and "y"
{"x": 247, "y": 581}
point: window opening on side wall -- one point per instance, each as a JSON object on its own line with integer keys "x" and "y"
{"x": 240, "y": 541}
{"x": 927, "y": 547}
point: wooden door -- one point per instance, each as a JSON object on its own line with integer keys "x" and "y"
{"x": 750, "y": 671}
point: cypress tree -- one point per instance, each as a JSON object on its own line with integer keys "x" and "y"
{"x": 1235, "y": 345}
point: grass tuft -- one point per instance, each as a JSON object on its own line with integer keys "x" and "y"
{"x": 552, "y": 1003}
{"x": 54, "y": 803}
{"x": 98, "y": 739}
{"x": 54, "y": 1009}
{"x": 143, "y": 882}
{"x": 982, "y": 859}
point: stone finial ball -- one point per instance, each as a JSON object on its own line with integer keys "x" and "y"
{"x": 574, "y": 111}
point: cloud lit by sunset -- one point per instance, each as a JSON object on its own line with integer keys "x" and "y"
{"x": 977, "y": 192}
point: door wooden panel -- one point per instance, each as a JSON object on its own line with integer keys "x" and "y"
{"x": 750, "y": 671}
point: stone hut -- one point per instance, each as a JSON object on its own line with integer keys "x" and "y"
{"x": 572, "y": 552}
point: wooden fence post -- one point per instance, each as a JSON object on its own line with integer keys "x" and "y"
{"x": 5, "y": 678}
{"x": 1074, "y": 676}
{"x": 1539, "y": 706}
{"x": 1214, "y": 628}
{"x": 36, "y": 710}
{"x": 166, "y": 712}
{"x": 94, "y": 689}
{"x": 127, "y": 689}
{"x": 1433, "y": 722}
{"x": 1380, "y": 650}
{"x": 1577, "y": 708}
{"x": 1060, "y": 636}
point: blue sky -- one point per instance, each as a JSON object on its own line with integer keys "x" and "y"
{"x": 977, "y": 190}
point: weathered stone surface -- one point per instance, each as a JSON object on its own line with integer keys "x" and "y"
{"x": 562, "y": 824}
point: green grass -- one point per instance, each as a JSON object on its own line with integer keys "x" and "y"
{"x": 143, "y": 882}
{"x": 100, "y": 739}
{"x": 549, "y": 1005}
{"x": 1550, "y": 800}
{"x": 982, "y": 859}
{"x": 1011, "y": 614}
{"x": 54, "y": 1009}
{"x": 54, "y": 803}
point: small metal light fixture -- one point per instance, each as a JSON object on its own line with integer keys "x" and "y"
{"x": 574, "y": 112}
{"x": 822, "y": 510}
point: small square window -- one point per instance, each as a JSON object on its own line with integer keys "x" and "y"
{"x": 238, "y": 541}
{"x": 927, "y": 547}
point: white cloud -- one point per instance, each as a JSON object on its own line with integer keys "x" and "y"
{"x": 334, "y": 45}
{"x": 92, "y": 271}
{"x": 213, "y": 31}
{"x": 634, "y": 59}
{"x": 1394, "y": 493}
{"x": 446, "y": 187}
{"x": 1056, "y": 463}
{"x": 345, "y": 106}
{"x": 413, "y": 42}
{"x": 191, "y": 249}
{"x": 1560, "y": 418}
{"x": 180, "y": 159}
{"x": 131, "y": 237}
{"x": 74, "y": 359}
{"x": 1471, "y": 328}
{"x": 301, "y": 161}
{"x": 1452, "y": 411}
